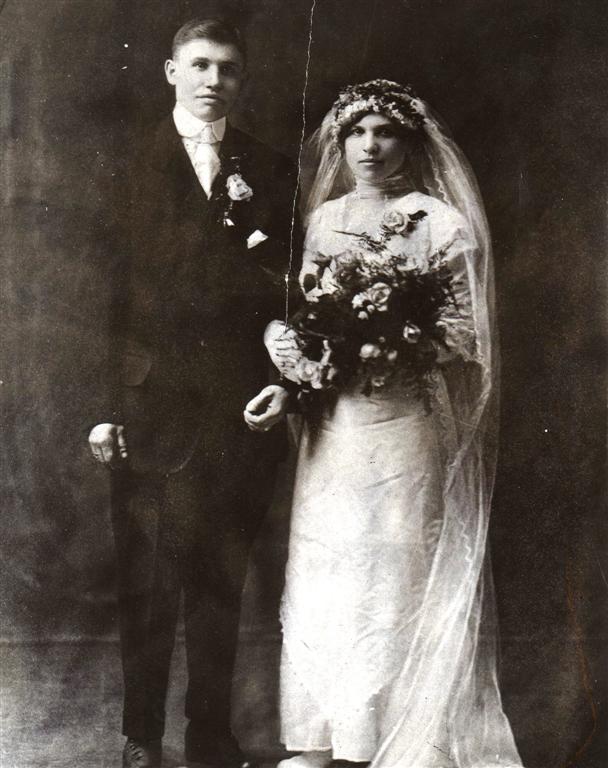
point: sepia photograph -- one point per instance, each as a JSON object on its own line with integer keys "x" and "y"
{"x": 303, "y": 384}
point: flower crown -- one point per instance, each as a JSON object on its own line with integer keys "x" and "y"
{"x": 385, "y": 97}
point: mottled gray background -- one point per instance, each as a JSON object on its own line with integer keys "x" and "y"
{"x": 522, "y": 84}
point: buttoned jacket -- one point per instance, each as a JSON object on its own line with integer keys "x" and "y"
{"x": 194, "y": 299}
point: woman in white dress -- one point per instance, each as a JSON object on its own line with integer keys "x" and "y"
{"x": 388, "y": 653}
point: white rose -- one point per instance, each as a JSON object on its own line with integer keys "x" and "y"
{"x": 346, "y": 259}
{"x": 306, "y": 369}
{"x": 395, "y": 221}
{"x": 379, "y": 294}
{"x": 237, "y": 187}
{"x": 369, "y": 351}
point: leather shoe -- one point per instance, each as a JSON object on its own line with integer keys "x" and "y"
{"x": 142, "y": 754}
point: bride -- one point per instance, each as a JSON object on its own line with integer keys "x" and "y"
{"x": 389, "y": 631}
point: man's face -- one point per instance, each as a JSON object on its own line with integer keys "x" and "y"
{"x": 207, "y": 77}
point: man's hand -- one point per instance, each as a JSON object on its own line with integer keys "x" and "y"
{"x": 267, "y": 408}
{"x": 108, "y": 444}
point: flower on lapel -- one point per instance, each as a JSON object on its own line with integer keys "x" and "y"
{"x": 237, "y": 187}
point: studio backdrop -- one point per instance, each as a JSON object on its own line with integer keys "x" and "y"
{"x": 521, "y": 83}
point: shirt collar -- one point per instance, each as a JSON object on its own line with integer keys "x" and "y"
{"x": 188, "y": 125}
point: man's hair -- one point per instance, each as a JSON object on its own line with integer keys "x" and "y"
{"x": 214, "y": 30}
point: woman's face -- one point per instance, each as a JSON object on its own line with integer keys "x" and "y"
{"x": 373, "y": 148}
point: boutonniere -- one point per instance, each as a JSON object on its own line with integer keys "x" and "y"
{"x": 237, "y": 188}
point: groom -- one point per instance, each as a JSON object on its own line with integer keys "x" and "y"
{"x": 208, "y": 235}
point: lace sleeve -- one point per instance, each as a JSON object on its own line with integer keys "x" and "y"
{"x": 459, "y": 254}
{"x": 457, "y": 319}
{"x": 283, "y": 348}
{"x": 282, "y": 340}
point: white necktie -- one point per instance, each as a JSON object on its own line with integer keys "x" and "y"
{"x": 206, "y": 162}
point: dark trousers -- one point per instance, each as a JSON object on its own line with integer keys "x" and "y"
{"x": 187, "y": 534}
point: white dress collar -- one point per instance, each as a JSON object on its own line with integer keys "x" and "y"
{"x": 188, "y": 125}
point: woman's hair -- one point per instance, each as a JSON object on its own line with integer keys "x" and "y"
{"x": 214, "y": 30}
{"x": 396, "y": 102}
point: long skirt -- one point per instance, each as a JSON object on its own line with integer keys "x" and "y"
{"x": 367, "y": 513}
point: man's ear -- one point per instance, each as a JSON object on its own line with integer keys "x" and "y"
{"x": 170, "y": 71}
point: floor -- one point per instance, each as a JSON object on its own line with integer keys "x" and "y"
{"x": 60, "y": 699}
{"x": 61, "y": 705}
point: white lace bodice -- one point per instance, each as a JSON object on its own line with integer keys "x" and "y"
{"x": 442, "y": 230}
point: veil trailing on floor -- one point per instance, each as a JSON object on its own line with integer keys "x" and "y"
{"x": 444, "y": 707}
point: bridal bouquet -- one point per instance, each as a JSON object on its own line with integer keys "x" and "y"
{"x": 377, "y": 317}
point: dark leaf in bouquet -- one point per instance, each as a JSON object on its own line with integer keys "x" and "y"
{"x": 322, "y": 260}
{"x": 418, "y": 216}
{"x": 367, "y": 241}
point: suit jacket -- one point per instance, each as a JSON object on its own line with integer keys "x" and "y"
{"x": 194, "y": 301}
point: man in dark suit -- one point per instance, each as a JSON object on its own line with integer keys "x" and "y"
{"x": 209, "y": 234}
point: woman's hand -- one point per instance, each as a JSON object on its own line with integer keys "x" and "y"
{"x": 282, "y": 344}
{"x": 267, "y": 408}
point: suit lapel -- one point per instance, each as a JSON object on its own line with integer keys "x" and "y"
{"x": 169, "y": 156}
{"x": 168, "y": 153}
{"x": 198, "y": 215}
{"x": 232, "y": 148}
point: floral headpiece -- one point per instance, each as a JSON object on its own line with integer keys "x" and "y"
{"x": 384, "y": 97}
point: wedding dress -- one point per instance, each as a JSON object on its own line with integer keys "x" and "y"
{"x": 388, "y": 652}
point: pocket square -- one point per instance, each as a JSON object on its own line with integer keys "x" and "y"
{"x": 255, "y": 238}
